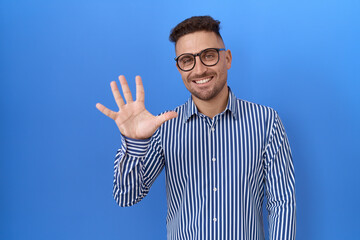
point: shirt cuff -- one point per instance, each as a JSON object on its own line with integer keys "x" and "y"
{"x": 135, "y": 147}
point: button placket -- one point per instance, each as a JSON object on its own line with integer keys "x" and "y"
{"x": 214, "y": 169}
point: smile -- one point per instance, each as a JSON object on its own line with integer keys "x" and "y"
{"x": 202, "y": 81}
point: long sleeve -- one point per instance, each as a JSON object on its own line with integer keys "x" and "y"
{"x": 137, "y": 164}
{"x": 280, "y": 184}
{"x": 216, "y": 172}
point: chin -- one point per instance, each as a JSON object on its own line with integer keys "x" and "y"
{"x": 208, "y": 94}
{"x": 205, "y": 96}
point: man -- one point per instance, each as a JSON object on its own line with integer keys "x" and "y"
{"x": 219, "y": 152}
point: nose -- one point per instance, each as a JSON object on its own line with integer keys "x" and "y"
{"x": 199, "y": 66}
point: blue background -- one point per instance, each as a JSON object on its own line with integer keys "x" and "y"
{"x": 57, "y": 59}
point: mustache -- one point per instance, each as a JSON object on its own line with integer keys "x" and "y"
{"x": 197, "y": 76}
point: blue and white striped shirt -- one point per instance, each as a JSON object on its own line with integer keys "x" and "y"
{"x": 217, "y": 171}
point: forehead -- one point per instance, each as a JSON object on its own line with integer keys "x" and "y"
{"x": 197, "y": 41}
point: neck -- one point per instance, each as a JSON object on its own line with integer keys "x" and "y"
{"x": 213, "y": 106}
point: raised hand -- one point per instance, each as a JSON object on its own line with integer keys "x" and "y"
{"x": 132, "y": 119}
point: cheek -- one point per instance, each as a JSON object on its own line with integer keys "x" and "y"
{"x": 225, "y": 67}
{"x": 184, "y": 76}
{"x": 184, "y": 80}
{"x": 221, "y": 70}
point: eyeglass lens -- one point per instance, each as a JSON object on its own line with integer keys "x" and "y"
{"x": 208, "y": 57}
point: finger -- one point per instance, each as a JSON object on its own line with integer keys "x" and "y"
{"x": 125, "y": 88}
{"x": 165, "y": 117}
{"x": 106, "y": 111}
{"x": 115, "y": 91}
{"x": 140, "y": 93}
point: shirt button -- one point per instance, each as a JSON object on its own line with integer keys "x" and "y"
{"x": 215, "y": 189}
{"x": 213, "y": 159}
{"x": 212, "y": 129}
{"x": 214, "y": 219}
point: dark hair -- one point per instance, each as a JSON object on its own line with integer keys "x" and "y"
{"x": 194, "y": 24}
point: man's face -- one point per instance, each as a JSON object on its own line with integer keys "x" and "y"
{"x": 204, "y": 82}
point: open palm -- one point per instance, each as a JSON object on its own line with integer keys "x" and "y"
{"x": 132, "y": 119}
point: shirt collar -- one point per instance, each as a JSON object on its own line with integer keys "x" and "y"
{"x": 191, "y": 109}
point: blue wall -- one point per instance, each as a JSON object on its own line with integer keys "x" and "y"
{"x": 57, "y": 59}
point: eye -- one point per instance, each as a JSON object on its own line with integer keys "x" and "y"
{"x": 186, "y": 60}
{"x": 209, "y": 55}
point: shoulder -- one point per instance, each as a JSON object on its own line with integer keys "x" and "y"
{"x": 259, "y": 117}
{"x": 247, "y": 108}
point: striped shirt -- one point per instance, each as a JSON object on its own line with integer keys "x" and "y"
{"x": 217, "y": 171}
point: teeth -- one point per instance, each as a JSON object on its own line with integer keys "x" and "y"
{"x": 203, "y": 81}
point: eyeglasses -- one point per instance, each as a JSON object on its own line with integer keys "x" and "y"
{"x": 209, "y": 57}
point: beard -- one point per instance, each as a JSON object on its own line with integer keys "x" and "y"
{"x": 210, "y": 92}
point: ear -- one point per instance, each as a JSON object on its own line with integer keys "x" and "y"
{"x": 228, "y": 58}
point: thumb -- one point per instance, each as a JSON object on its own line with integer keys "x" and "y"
{"x": 165, "y": 117}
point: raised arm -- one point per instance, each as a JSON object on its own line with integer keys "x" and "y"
{"x": 132, "y": 119}
{"x": 139, "y": 161}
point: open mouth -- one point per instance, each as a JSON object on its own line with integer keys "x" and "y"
{"x": 202, "y": 81}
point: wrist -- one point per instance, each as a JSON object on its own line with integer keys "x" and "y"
{"x": 135, "y": 147}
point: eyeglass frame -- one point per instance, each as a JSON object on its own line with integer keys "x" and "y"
{"x": 198, "y": 54}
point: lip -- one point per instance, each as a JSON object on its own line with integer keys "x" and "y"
{"x": 202, "y": 81}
